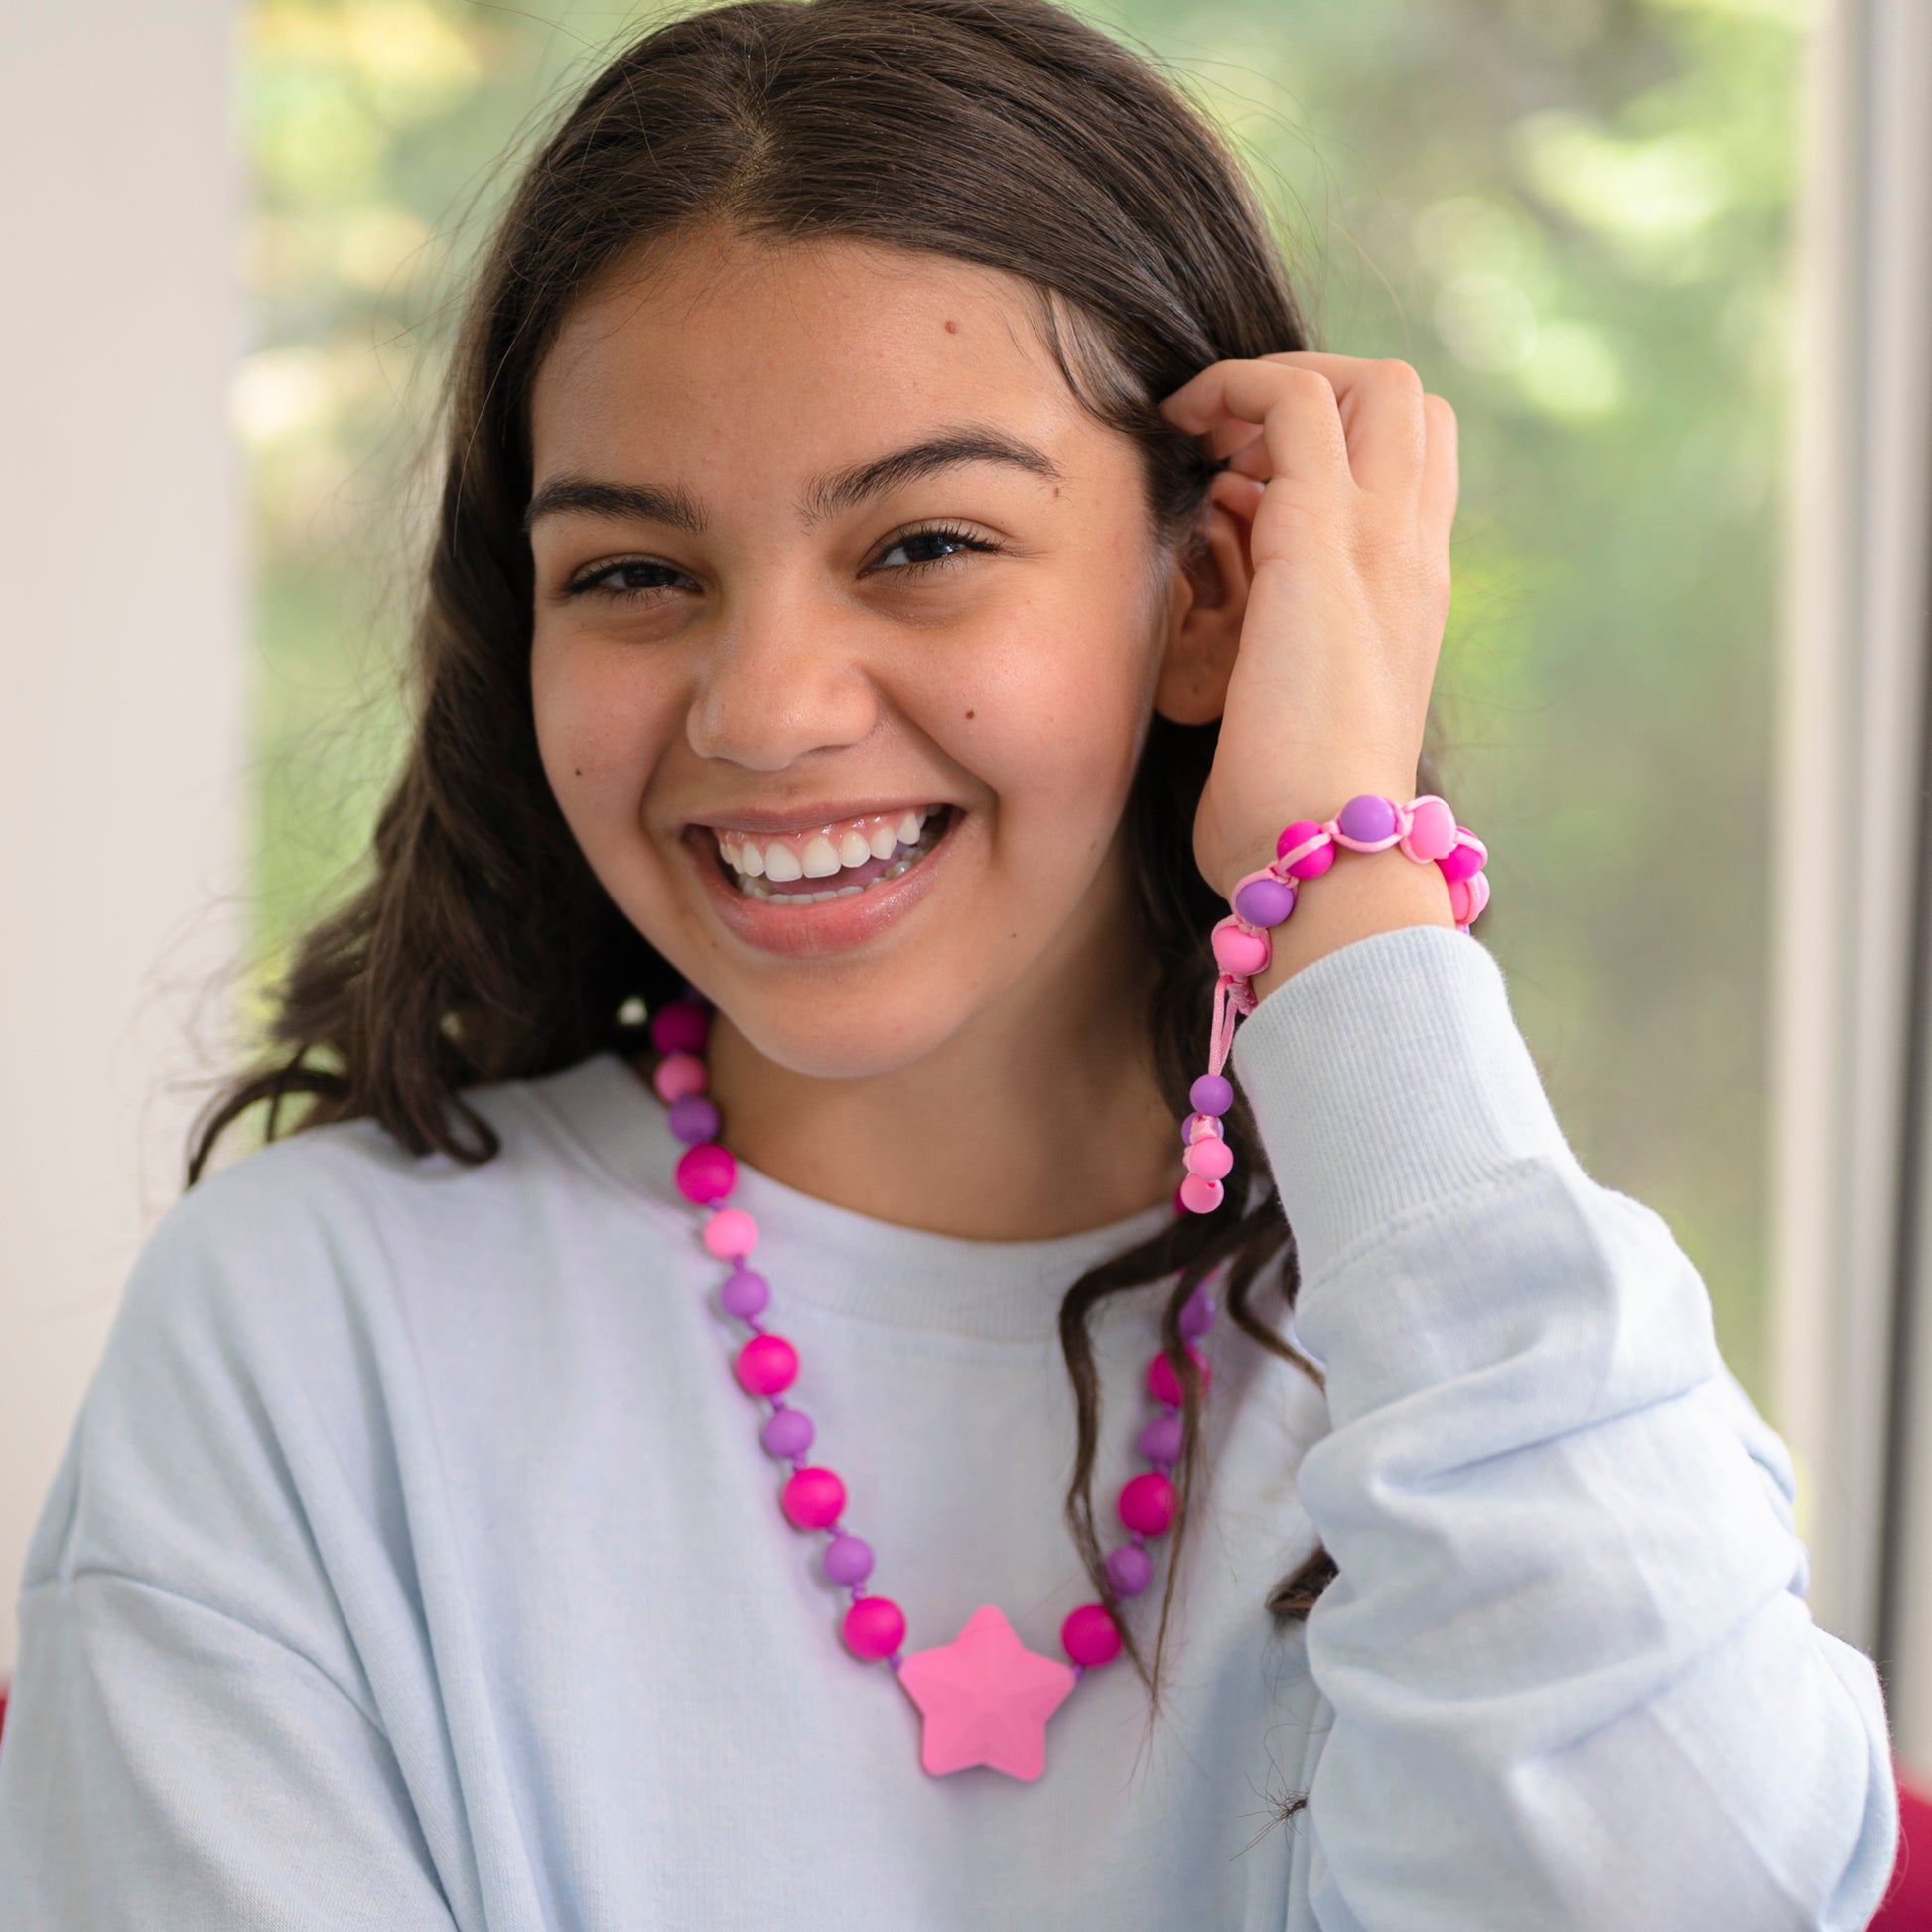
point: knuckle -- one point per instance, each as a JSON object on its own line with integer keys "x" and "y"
{"x": 1400, "y": 375}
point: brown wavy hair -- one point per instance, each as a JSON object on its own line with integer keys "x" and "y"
{"x": 1008, "y": 133}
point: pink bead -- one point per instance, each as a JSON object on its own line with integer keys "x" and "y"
{"x": 1146, "y": 1503}
{"x": 1310, "y": 865}
{"x": 1210, "y": 1159}
{"x": 730, "y": 1234}
{"x": 812, "y": 1500}
{"x": 706, "y": 1172}
{"x": 682, "y": 1026}
{"x": 1467, "y": 857}
{"x": 1432, "y": 828}
{"x": 1163, "y": 1385}
{"x": 1239, "y": 951}
{"x": 1090, "y": 1636}
{"x": 678, "y": 1075}
{"x": 1199, "y": 1196}
{"x": 1460, "y": 900}
{"x": 1479, "y": 894}
{"x": 874, "y": 1627}
{"x": 766, "y": 1365}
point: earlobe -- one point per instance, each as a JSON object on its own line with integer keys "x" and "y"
{"x": 1208, "y": 598}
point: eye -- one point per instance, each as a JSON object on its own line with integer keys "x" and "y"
{"x": 964, "y": 540}
{"x": 628, "y": 577}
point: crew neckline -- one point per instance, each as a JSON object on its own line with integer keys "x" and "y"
{"x": 832, "y": 1257}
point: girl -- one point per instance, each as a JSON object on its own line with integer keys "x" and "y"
{"x": 901, "y": 571}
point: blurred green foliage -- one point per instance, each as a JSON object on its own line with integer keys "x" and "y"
{"x": 1572, "y": 215}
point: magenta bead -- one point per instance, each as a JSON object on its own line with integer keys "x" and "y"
{"x": 1160, "y": 1439}
{"x": 1479, "y": 894}
{"x": 730, "y": 1234}
{"x": 1210, "y": 1094}
{"x": 1146, "y": 1503}
{"x": 1368, "y": 817}
{"x": 1264, "y": 900}
{"x": 1163, "y": 1385}
{"x": 1212, "y": 1160}
{"x": 693, "y": 1118}
{"x": 744, "y": 1293}
{"x": 706, "y": 1172}
{"x": 1467, "y": 859}
{"x": 766, "y": 1365}
{"x": 682, "y": 1026}
{"x": 1198, "y": 1313}
{"x": 874, "y": 1627}
{"x": 1460, "y": 901}
{"x": 1432, "y": 828}
{"x": 812, "y": 1498}
{"x": 1310, "y": 865}
{"x": 788, "y": 1434}
{"x": 1199, "y": 1196}
{"x": 1129, "y": 1569}
{"x": 1237, "y": 950}
{"x": 847, "y": 1560}
{"x": 1090, "y": 1636}
{"x": 679, "y": 1075}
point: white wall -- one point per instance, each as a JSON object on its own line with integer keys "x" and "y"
{"x": 1854, "y": 1232}
{"x": 121, "y": 648}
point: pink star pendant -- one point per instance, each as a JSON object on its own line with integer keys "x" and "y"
{"x": 986, "y": 1699}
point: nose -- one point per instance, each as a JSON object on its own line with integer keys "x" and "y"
{"x": 779, "y": 684}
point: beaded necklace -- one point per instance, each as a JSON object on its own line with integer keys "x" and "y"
{"x": 984, "y": 1698}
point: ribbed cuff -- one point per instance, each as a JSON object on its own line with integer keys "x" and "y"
{"x": 1387, "y": 1074}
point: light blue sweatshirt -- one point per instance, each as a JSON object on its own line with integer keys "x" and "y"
{"x": 414, "y": 1562}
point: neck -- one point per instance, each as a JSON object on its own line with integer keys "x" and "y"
{"x": 1027, "y": 1124}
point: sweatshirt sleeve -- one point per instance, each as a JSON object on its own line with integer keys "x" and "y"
{"x": 191, "y": 1739}
{"x": 1573, "y": 1675}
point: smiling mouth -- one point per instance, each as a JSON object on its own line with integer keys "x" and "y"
{"x": 782, "y": 873}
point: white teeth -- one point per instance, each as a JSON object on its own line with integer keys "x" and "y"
{"x": 883, "y": 841}
{"x": 908, "y": 828}
{"x": 854, "y": 849}
{"x": 820, "y": 857}
{"x": 782, "y": 863}
{"x": 749, "y": 861}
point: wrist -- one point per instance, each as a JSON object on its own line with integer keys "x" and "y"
{"x": 1367, "y": 893}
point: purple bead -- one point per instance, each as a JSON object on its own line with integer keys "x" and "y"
{"x": 1211, "y": 1094}
{"x": 1366, "y": 816}
{"x": 1264, "y": 901}
{"x": 848, "y": 1560}
{"x": 1130, "y": 1569}
{"x": 1160, "y": 1439}
{"x": 1196, "y": 1313}
{"x": 694, "y": 1119}
{"x": 744, "y": 1293}
{"x": 787, "y": 1433}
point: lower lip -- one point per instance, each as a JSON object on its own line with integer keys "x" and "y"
{"x": 832, "y": 926}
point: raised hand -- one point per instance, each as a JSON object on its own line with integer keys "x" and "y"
{"x": 1346, "y": 469}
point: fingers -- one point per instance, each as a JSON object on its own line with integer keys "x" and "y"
{"x": 1441, "y": 475}
{"x": 1313, "y": 417}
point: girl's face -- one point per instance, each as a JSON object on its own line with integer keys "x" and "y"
{"x": 822, "y": 543}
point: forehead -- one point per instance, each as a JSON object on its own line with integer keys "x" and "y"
{"x": 723, "y": 346}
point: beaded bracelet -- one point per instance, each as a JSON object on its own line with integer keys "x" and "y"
{"x": 1424, "y": 830}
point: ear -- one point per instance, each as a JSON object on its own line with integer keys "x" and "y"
{"x": 1207, "y": 600}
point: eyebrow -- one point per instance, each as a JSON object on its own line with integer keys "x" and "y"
{"x": 823, "y": 497}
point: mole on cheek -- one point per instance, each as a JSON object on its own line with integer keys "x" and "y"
{"x": 952, "y": 327}
{"x": 969, "y": 713}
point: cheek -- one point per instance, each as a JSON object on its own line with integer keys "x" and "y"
{"x": 1055, "y": 733}
{"x": 599, "y": 732}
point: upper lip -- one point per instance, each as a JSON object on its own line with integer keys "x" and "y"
{"x": 809, "y": 818}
